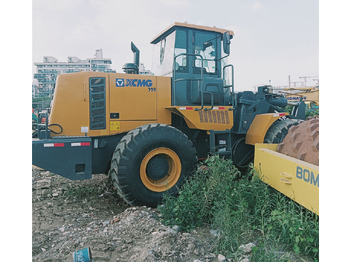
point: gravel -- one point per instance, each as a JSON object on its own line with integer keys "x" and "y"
{"x": 72, "y": 215}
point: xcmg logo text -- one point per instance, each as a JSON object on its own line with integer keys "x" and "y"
{"x": 121, "y": 82}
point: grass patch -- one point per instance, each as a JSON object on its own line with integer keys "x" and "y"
{"x": 243, "y": 209}
{"x": 83, "y": 192}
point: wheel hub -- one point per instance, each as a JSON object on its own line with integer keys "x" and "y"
{"x": 160, "y": 169}
{"x": 157, "y": 167}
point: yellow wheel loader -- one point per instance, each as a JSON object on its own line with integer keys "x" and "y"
{"x": 148, "y": 131}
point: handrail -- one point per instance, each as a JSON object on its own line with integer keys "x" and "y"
{"x": 223, "y": 75}
{"x": 232, "y": 85}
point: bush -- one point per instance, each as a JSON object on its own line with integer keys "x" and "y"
{"x": 197, "y": 197}
{"x": 311, "y": 113}
{"x": 242, "y": 210}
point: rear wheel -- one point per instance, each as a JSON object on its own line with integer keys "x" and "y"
{"x": 149, "y": 161}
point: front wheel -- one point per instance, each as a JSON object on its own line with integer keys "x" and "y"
{"x": 149, "y": 161}
{"x": 279, "y": 129}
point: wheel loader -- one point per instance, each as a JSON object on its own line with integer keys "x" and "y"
{"x": 147, "y": 132}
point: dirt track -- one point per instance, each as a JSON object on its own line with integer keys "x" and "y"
{"x": 72, "y": 215}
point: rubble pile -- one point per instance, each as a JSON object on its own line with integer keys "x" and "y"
{"x": 67, "y": 219}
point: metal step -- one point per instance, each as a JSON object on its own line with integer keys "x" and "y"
{"x": 215, "y": 148}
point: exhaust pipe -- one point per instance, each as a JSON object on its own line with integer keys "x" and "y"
{"x": 133, "y": 68}
{"x": 136, "y": 52}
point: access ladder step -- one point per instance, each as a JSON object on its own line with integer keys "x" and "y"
{"x": 220, "y": 143}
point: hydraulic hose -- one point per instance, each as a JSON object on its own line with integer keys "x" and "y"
{"x": 57, "y": 133}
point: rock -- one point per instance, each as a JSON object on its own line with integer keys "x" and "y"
{"x": 176, "y": 228}
{"x": 43, "y": 184}
{"x": 64, "y": 187}
{"x": 105, "y": 223}
{"x": 210, "y": 256}
{"x": 215, "y": 233}
{"x": 221, "y": 258}
{"x": 191, "y": 247}
{"x": 247, "y": 248}
{"x": 46, "y": 193}
{"x": 46, "y": 173}
{"x": 244, "y": 259}
{"x": 128, "y": 241}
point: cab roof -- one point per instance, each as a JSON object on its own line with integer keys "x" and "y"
{"x": 177, "y": 24}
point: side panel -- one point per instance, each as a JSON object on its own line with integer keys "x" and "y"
{"x": 137, "y": 100}
{"x": 68, "y": 157}
{"x": 100, "y": 104}
{"x": 133, "y": 97}
{"x": 220, "y": 118}
{"x": 75, "y": 107}
{"x": 294, "y": 178}
{"x": 163, "y": 100}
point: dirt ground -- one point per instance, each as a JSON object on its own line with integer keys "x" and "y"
{"x": 72, "y": 215}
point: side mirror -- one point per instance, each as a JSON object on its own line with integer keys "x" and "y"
{"x": 226, "y": 40}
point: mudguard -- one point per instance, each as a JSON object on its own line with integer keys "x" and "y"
{"x": 261, "y": 123}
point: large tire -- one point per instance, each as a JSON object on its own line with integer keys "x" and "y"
{"x": 149, "y": 161}
{"x": 279, "y": 129}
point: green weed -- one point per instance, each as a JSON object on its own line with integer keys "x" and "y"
{"x": 82, "y": 192}
{"x": 312, "y": 113}
{"x": 243, "y": 210}
{"x": 194, "y": 204}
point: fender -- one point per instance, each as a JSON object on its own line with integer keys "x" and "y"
{"x": 261, "y": 123}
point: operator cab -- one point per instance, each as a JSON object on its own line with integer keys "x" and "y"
{"x": 195, "y": 57}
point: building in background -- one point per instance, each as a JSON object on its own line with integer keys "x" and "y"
{"x": 48, "y": 70}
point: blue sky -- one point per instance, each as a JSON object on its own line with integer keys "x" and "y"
{"x": 273, "y": 38}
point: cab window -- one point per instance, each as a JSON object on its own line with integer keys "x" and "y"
{"x": 164, "y": 56}
{"x": 181, "y": 48}
{"x": 205, "y": 44}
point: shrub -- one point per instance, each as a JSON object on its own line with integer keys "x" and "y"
{"x": 197, "y": 197}
{"x": 243, "y": 210}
